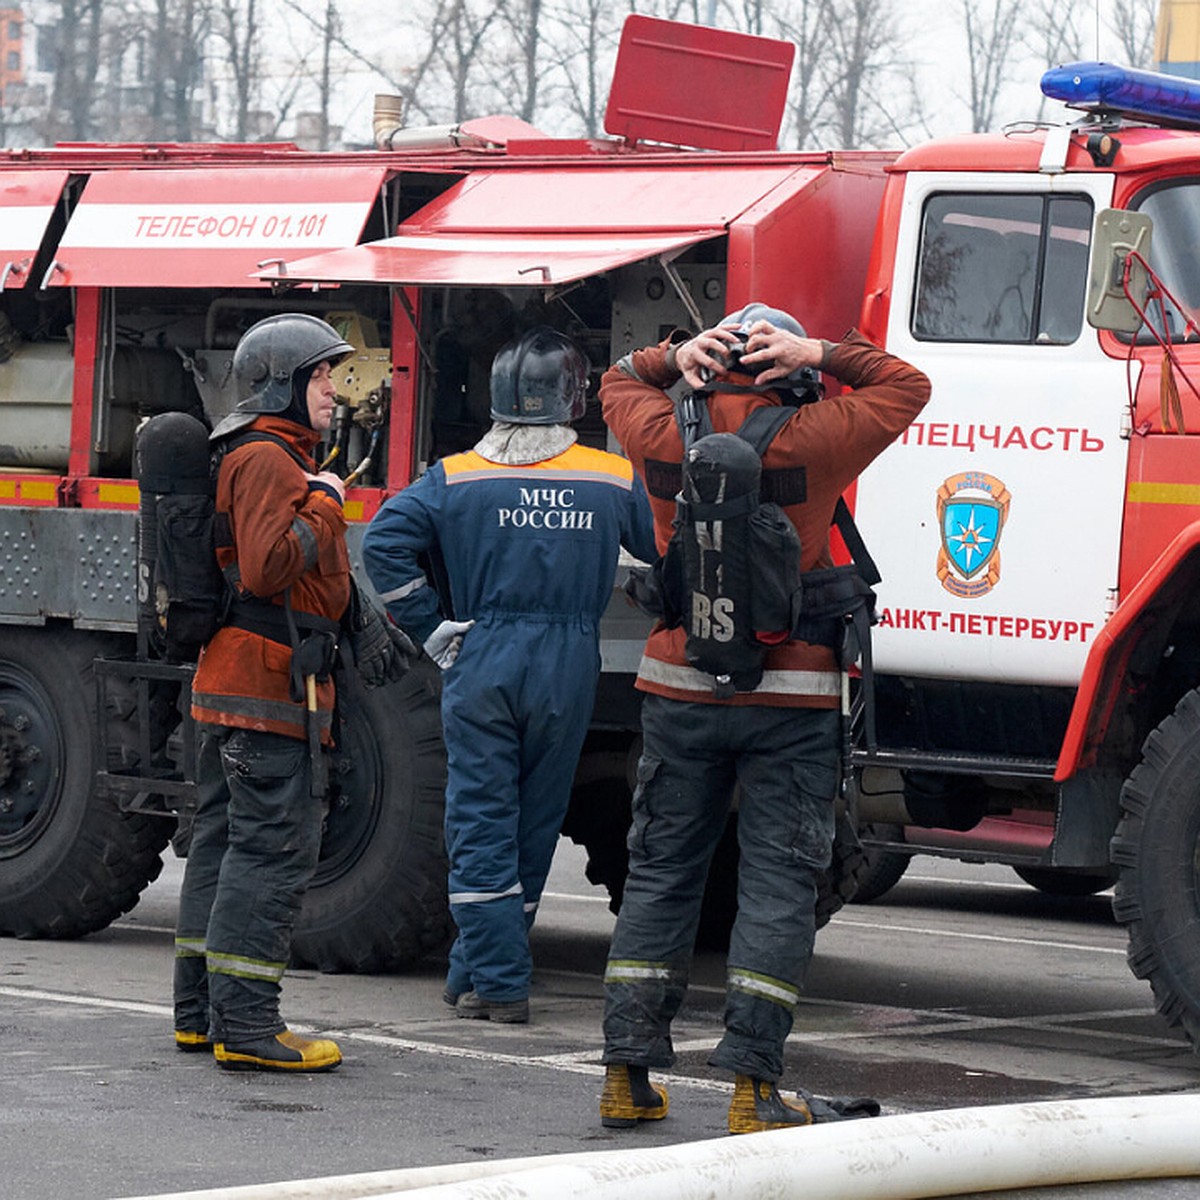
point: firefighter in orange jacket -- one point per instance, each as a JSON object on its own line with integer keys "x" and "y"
{"x": 264, "y": 693}
{"x": 779, "y": 741}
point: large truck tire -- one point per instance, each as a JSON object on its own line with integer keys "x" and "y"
{"x": 1156, "y": 850}
{"x": 71, "y": 861}
{"x": 882, "y": 869}
{"x": 378, "y": 901}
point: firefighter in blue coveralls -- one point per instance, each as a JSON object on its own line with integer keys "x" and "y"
{"x": 528, "y": 524}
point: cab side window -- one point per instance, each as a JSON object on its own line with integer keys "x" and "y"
{"x": 1174, "y": 208}
{"x": 1002, "y": 268}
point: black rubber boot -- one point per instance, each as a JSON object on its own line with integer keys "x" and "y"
{"x": 506, "y": 1012}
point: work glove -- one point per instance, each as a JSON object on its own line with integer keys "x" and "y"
{"x": 382, "y": 652}
{"x": 825, "y": 1110}
{"x": 444, "y": 643}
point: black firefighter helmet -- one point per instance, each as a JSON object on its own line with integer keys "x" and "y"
{"x": 539, "y": 378}
{"x": 269, "y": 356}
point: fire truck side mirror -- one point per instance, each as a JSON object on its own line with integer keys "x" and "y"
{"x": 1119, "y": 233}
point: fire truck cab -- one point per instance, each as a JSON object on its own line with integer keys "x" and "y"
{"x": 1036, "y": 656}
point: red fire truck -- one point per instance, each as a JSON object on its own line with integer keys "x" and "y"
{"x": 1036, "y": 663}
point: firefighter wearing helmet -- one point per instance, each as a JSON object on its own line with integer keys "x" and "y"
{"x": 528, "y": 524}
{"x": 779, "y": 738}
{"x": 263, "y": 698}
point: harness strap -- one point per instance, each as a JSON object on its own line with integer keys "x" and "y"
{"x": 271, "y": 620}
{"x": 838, "y": 604}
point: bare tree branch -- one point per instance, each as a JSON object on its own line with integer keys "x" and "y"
{"x": 1134, "y": 23}
{"x": 991, "y": 31}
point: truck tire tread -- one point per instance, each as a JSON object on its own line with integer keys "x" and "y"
{"x": 1154, "y": 846}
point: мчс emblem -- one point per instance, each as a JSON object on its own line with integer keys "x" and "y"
{"x": 972, "y": 508}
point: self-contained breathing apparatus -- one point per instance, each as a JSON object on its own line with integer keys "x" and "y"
{"x": 184, "y": 597}
{"x": 731, "y": 571}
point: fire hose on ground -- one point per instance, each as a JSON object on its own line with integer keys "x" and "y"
{"x": 945, "y": 1153}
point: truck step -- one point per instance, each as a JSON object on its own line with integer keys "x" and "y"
{"x": 955, "y": 763}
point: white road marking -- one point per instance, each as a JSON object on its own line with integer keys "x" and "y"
{"x": 929, "y": 931}
{"x": 554, "y": 1062}
{"x": 1014, "y": 886}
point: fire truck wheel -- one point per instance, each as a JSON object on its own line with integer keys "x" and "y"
{"x": 1056, "y": 882}
{"x": 378, "y": 899}
{"x": 883, "y": 868}
{"x": 1157, "y": 853}
{"x": 70, "y": 861}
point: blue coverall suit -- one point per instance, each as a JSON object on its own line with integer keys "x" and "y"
{"x": 531, "y": 554}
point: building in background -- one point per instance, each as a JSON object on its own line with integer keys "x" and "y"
{"x": 12, "y": 50}
{"x": 1177, "y": 39}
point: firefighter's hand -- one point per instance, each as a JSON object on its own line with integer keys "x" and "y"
{"x": 331, "y": 480}
{"x": 701, "y": 358}
{"x": 382, "y": 652}
{"x": 781, "y": 350}
{"x": 444, "y": 643}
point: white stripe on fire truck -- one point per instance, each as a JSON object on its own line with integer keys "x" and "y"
{"x": 277, "y": 224}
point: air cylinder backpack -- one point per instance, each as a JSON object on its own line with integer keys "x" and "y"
{"x": 731, "y": 571}
{"x": 183, "y": 595}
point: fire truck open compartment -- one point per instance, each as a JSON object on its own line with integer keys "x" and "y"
{"x": 129, "y": 283}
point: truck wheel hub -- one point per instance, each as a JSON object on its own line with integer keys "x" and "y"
{"x": 31, "y": 756}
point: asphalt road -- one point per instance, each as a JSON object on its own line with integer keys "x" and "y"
{"x": 962, "y": 987}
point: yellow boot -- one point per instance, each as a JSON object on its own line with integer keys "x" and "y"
{"x": 630, "y": 1097}
{"x": 286, "y": 1051}
{"x": 757, "y": 1105}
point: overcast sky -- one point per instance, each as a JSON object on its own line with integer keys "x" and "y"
{"x": 933, "y": 41}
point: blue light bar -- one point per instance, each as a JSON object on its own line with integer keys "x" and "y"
{"x": 1125, "y": 91}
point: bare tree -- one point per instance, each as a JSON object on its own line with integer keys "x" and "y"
{"x": 330, "y": 32}
{"x": 238, "y": 28}
{"x": 868, "y": 104}
{"x": 1053, "y": 34}
{"x": 991, "y": 31}
{"x": 1053, "y": 31}
{"x": 328, "y": 28}
{"x": 585, "y": 34}
{"x": 524, "y": 19}
{"x": 808, "y": 24}
{"x": 453, "y": 75}
{"x": 77, "y": 38}
{"x": 1134, "y": 22}
{"x": 176, "y": 31}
